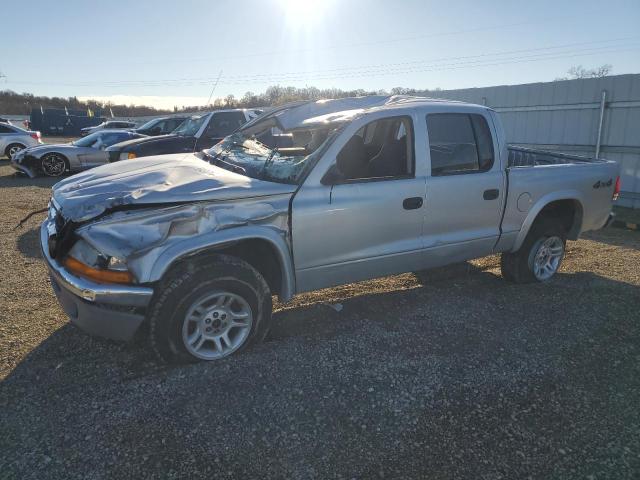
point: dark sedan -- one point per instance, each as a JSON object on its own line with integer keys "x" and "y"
{"x": 194, "y": 134}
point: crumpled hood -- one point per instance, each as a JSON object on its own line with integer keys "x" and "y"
{"x": 165, "y": 179}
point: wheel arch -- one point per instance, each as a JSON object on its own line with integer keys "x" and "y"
{"x": 566, "y": 206}
{"x": 264, "y": 248}
{"x": 11, "y": 144}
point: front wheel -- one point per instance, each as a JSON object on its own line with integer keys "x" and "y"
{"x": 540, "y": 256}
{"x": 53, "y": 165}
{"x": 208, "y": 309}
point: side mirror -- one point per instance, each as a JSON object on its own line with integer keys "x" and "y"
{"x": 333, "y": 176}
{"x": 156, "y": 130}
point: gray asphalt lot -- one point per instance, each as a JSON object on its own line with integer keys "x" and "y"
{"x": 466, "y": 377}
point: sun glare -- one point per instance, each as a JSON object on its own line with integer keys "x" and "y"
{"x": 304, "y": 12}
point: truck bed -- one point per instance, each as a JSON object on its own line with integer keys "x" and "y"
{"x": 537, "y": 177}
{"x": 528, "y": 157}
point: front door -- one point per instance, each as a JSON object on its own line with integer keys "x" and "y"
{"x": 366, "y": 220}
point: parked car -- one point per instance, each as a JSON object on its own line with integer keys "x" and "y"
{"x": 54, "y": 160}
{"x": 196, "y": 245}
{"x": 160, "y": 126}
{"x": 110, "y": 125}
{"x": 13, "y": 139}
{"x": 195, "y": 133}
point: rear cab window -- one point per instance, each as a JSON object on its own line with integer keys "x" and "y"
{"x": 459, "y": 143}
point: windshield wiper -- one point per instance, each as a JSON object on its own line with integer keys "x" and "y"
{"x": 216, "y": 160}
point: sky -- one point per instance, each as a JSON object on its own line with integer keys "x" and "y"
{"x": 169, "y": 53}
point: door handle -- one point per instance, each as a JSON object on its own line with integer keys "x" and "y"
{"x": 412, "y": 203}
{"x": 491, "y": 194}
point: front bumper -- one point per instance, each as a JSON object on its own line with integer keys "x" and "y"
{"x": 17, "y": 163}
{"x": 105, "y": 310}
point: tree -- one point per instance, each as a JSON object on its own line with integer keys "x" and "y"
{"x": 580, "y": 72}
{"x": 230, "y": 101}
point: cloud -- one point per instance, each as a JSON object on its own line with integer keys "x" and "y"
{"x": 148, "y": 100}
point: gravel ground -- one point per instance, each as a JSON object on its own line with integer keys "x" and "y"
{"x": 467, "y": 377}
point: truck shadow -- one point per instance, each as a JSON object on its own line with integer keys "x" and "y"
{"x": 467, "y": 309}
{"x": 28, "y": 243}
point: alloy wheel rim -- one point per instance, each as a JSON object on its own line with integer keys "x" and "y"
{"x": 53, "y": 165}
{"x": 13, "y": 151}
{"x": 216, "y": 325}
{"x": 547, "y": 257}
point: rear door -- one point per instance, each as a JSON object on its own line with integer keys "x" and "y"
{"x": 465, "y": 189}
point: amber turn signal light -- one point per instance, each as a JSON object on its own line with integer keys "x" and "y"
{"x": 95, "y": 274}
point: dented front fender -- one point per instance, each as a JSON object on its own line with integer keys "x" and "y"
{"x": 151, "y": 240}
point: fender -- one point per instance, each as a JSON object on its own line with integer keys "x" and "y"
{"x": 537, "y": 208}
{"x": 221, "y": 238}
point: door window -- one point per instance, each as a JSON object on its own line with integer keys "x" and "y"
{"x": 4, "y": 129}
{"x": 173, "y": 123}
{"x": 224, "y": 123}
{"x": 382, "y": 149}
{"x": 459, "y": 143}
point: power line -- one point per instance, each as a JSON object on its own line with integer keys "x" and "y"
{"x": 373, "y": 70}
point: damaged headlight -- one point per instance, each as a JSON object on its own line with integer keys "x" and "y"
{"x": 86, "y": 261}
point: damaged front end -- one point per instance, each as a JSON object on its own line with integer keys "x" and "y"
{"x": 107, "y": 253}
{"x": 25, "y": 163}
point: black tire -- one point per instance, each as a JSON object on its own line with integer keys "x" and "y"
{"x": 517, "y": 267}
{"x": 190, "y": 280}
{"x": 12, "y": 146}
{"x": 60, "y": 159}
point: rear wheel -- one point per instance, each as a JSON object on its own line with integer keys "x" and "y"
{"x": 540, "y": 256}
{"x": 208, "y": 309}
{"x": 12, "y": 149}
{"x": 53, "y": 164}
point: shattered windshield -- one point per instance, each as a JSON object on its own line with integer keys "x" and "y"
{"x": 272, "y": 155}
{"x": 190, "y": 126}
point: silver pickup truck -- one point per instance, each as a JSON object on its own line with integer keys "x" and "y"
{"x": 308, "y": 196}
